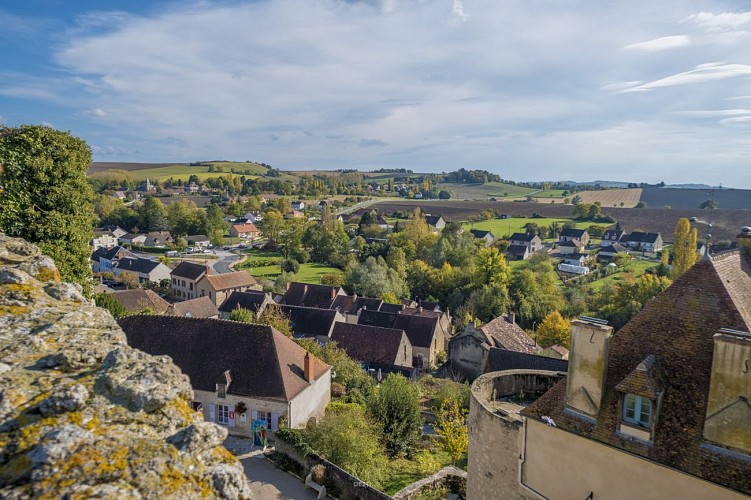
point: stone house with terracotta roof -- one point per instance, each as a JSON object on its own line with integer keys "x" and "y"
{"x": 240, "y": 373}
{"x": 469, "y": 349}
{"x": 247, "y": 230}
{"x": 663, "y": 400}
{"x": 217, "y": 287}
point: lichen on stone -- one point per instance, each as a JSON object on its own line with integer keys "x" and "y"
{"x": 82, "y": 415}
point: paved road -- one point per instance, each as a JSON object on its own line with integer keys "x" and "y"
{"x": 270, "y": 483}
{"x": 221, "y": 265}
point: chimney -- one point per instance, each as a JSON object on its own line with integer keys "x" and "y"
{"x": 333, "y": 292}
{"x": 513, "y": 318}
{"x": 726, "y": 422}
{"x": 309, "y": 372}
{"x": 587, "y": 365}
{"x": 744, "y": 239}
{"x": 208, "y": 269}
{"x": 420, "y": 309}
{"x": 286, "y": 285}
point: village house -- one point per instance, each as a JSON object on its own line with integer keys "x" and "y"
{"x": 311, "y": 322}
{"x": 556, "y": 351}
{"x": 198, "y": 240}
{"x": 425, "y": 332}
{"x": 663, "y": 400}
{"x": 469, "y": 349}
{"x": 241, "y": 374}
{"x": 158, "y": 239}
{"x": 646, "y": 242}
{"x": 571, "y": 247}
{"x": 218, "y": 286}
{"x": 384, "y": 349}
{"x": 576, "y": 259}
{"x": 184, "y": 278}
{"x": 311, "y": 295}
{"x": 609, "y": 252}
{"x": 104, "y": 258}
{"x": 141, "y": 301}
{"x": 247, "y": 231}
{"x": 254, "y": 301}
{"x": 612, "y": 236}
{"x": 200, "y": 307}
{"x": 145, "y": 270}
{"x": 435, "y": 222}
{"x": 570, "y": 233}
{"x": 298, "y": 205}
{"x": 522, "y": 245}
{"x": 133, "y": 239}
{"x": 487, "y": 237}
{"x": 103, "y": 239}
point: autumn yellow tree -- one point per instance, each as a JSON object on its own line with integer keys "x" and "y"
{"x": 452, "y": 429}
{"x": 684, "y": 248}
{"x": 554, "y": 329}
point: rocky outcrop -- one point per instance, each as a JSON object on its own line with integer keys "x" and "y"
{"x": 84, "y": 415}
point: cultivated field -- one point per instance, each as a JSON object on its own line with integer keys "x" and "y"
{"x": 692, "y": 198}
{"x": 626, "y": 198}
{"x": 484, "y": 191}
{"x": 163, "y": 171}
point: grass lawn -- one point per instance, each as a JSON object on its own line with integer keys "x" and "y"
{"x": 487, "y": 190}
{"x": 551, "y": 193}
{"x": 402, "y": 472}
{"x": 269, "y": 269}
{"x": 635, "y": 269}
{"x": 184, "y": 171}
{"x": 501, "y": 227}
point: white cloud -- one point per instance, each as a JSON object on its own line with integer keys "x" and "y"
{"x": 664, "y": 43}
{"x": 737, "y": 120}
{"x": 96, "y": 113}
{"x": 720, "y": 22}
{"x": 458, "y": 9}
{"x": 702, "y": 73}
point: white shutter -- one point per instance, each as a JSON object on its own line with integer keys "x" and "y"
{"x": 274, "y": 421}
{"x": 232, "y": 420}
{"x": 212, "y": 412}
{"x": 254, "y": 416}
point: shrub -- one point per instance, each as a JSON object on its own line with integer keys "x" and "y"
{"x": 290, "y": 266}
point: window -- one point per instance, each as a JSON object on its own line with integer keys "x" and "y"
{"x": 221, "y": 390}
{"x": 222, "y": 414}
{"x": 191, "y": 286}
{"x": 265, "y": 415}
{"x": 637, "y": 410}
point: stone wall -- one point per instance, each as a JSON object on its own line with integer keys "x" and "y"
{"x": 84, "y": 415}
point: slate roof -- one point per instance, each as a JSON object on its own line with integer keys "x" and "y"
{"x": 572, "y": 243}
{"x": 138, "y": 300}
{"x": 420, "y": 328}
{"x": 393, "y": 308}
{"x": 517, "y": 250}
{"x": 502, "y": 333}
{"x": 111, "y": 253}
{"x": 250, "y": 300}
{"x": 639, "y": 237}
{"x": 236, "y": 279}
{"x": 310, "y": 295}
{"x": 677, "y": 328}
{"x": 570, "y": 232}
{"x": 197, "y": 238}
{"x": 144, "y": 266}
{"x": 522, "y": 237}
{"x": 189, "y": 270}
{"x": 479, "y": 233}
{"x": 309, "y": 321}
{"x": 433, "y": 219}
{"x": 201, "y": 307}
{"x": 263, "y": 362}
{"x": 370, "y": 344}
{"x": 614, "y": 249}
{"x": 503, "y": 359}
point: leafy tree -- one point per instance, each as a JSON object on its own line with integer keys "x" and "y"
{"x": 109, "y": 302}
{"x": 684, "y": 248}
{"x": 709, "y": 204}
{"x": 215, "y": 225}
{"x": 129, "y": 279}
{"x": 271, "y": 225}
{"x": 105, "y": 206}
{"x": 621, "y": 302}
{"x": 452, "y": 429}
{"x": 374, "y": 278}
{"x": 152, "y": 215}
{"x": 334, "y": 278}
{"x": 275, "y": 317}
{"x": 444, "y": 195}
{"x": 554, "y": 329}
{"x": 348, "y": 438}
{"x": 242, "y": 315}
{"x": 46, "y": 198}
{"x": 594, "y": 211}
{"x": 491, "y": 267}
{"x": 396, "y": 406}
{"x": 183, "y": 218}
{"x": 488, "y": 302}
{"x": 641, "y": 204}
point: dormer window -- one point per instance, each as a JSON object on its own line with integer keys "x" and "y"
{"x": 637, "y": 410}
{"x": 221, "y": 390}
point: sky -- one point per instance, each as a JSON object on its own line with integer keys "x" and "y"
{"x": 637, "y": 91}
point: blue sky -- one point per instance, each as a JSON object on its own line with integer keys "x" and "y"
{"x": 635, "y": 91}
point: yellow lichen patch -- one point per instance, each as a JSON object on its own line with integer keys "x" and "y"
{"x": 13, "y": 310}
{"x": 180, "y": 407}
{"x": 223, "y": 455}
{"x": 90, "y": 461}
{"x": 48, "y": 274}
